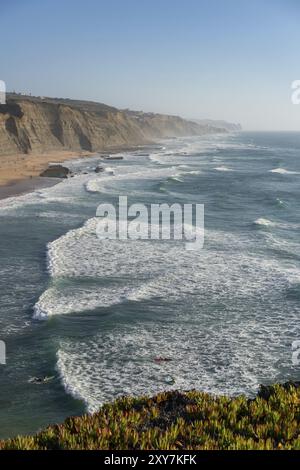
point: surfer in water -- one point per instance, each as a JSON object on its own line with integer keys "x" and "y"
{"x": 41, "y": 380}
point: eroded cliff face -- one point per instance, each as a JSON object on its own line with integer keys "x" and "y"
{"x": 38, "y": 125}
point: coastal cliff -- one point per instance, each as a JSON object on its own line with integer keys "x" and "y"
{"x": 37, "y": 125}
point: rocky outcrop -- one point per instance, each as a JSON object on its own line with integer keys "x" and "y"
{"x": 38, "y": 125}
{"x": 56, "y": 171}
{"x": 114, "y": 157}
{"x": 99, "y": 169}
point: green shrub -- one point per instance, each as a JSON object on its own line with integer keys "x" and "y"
{"x": 175, "y": 420}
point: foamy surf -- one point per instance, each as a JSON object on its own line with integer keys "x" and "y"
{"x": 264, "y": 222}
{"x": 73, "y": 299}
{"x": 87, "y": 263}
{"x": 283, "y": 171}
{"x": 223, "y": 168}
{"x": 176, "y": 179}
{"x": 122, "y": 362}
{"x": 103, "y": 273}
{"x": 112, "y": 308}
{"x": 108, "y": 184}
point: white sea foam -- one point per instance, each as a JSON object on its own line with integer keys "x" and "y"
{"x": 81, "y": 255}
{"x": 109, "y": 170}
{"x": 193, "y": 172}
{"x": 64, "y": 192}
{"x": 123, "y": 363}
{"x": 15, "y": 202}
{"x": 176, "y": 178}
{"x": 64, "y": 300}
{"x": 209, "y": 350}
{"x": 108, "y": 183}
{"x": 264, "y": 222}
{"x": 215, "y": 343}
{"x": 115, "y": 271}
{"x": 223, "y": 168}
{"x": 283, "y": 171}
{"x": 92, "y": 186}
{"x": 202, "y": 356}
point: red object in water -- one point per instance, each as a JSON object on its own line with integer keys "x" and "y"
{"x": 162, "y": 359}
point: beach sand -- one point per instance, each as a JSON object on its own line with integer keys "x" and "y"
{"x": 23, "y": 166}
{"x": 19, "y": 174}
{"x": 26, "y": 186}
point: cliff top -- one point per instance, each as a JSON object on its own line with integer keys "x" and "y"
{"x": 177, "y": 421}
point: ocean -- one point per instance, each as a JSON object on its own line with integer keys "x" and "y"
{"x": 94, "y": 315}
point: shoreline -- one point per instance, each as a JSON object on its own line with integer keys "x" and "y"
{"x": 25, "y": 186}
{"x": 20, "y": 173}
{"x": 19, "y": 167}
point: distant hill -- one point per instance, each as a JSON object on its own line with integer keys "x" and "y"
{"x": 228, "y": 126}
{"x": 39, "y": 124}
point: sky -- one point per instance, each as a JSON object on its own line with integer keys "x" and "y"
{"x": 214, "y": 59}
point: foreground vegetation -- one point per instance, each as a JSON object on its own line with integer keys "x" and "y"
{"x": 175, "y": 420}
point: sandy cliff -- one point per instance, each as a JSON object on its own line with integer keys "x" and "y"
{"x": 35, "y": 131}
{"x": 35, "y": 125}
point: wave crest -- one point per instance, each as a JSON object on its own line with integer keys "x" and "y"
{"x": 283, "y": 171}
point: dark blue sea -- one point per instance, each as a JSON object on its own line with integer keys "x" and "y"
{"x": 93, "y": 316}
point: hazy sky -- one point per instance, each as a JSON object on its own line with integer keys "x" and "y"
{"x": 218, "y": 59}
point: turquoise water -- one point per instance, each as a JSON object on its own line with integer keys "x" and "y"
{"x": 94, "y": 314}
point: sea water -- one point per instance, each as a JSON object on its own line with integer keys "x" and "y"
{"x": 94, "y": 315}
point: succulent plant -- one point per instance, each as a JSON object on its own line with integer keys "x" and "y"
{"x": 177, "y": 420}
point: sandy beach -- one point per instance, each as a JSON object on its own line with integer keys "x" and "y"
{"x": 22, "y": 166}
{"x": 20, "y": 173}
{"x": 17, "y": 188}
